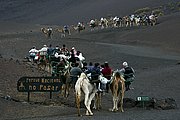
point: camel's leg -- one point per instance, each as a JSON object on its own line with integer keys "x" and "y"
{"x": 113, "y": 109}
{"x": 67, "y": 89}
{"x": 100, "y": 100}
{"x": 86, "y": 101}
{"x": 88, "y": 111}
{"x": 116, "y": 105}
{"x": 122, "y": 96}
{"x": 49, "y": 67}
{"x": 95, "y": 102}
{"x": 63, "y": 35}
{"x": 115, "y": 87}
{"x": 121, "y": 101}
{"x": 89, "y": 102}
{"x": 78, "y": 96}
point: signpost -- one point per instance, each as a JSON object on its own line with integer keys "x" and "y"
{"x": 143, "y": 99}
{"x": 39, "y": 84}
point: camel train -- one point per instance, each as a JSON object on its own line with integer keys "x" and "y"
{"x": 59, "y": 65}
{"x": 103, "y": 22}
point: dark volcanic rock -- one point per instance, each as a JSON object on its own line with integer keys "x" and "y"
{"x": 165, "y": 104}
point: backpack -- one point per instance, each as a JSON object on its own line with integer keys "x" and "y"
{"x": 129, "y": 73}
{"x": 94, "y": 74}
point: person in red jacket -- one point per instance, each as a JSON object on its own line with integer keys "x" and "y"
{"x": 107, "y": 72}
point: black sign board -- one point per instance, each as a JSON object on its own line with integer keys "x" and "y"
{"x": 39, "y": 84}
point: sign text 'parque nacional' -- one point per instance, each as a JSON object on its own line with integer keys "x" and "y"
{"x": 39, "y": 84}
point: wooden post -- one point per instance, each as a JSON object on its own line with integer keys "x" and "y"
{"x": 50, "y": 95}
{"x": 28, "y": 96}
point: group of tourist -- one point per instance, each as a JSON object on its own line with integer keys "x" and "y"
{"x": 47, "y": 52}
{"x": 92, "y": 70}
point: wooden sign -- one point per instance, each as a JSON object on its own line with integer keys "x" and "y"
{"x": 39, "y": 84}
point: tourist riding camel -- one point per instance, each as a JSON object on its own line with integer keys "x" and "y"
{"x": 80, "y": 26}
{"x": 128, "y": 74}
{"x": 75, "y": 72}
{"x": 32, "y": 53}
{"x": 47, "y": 31}
{"x": 117, "y": 22}
{"x": 43, "y": 51}
{"x": 107, "y": 72}
{"x": 64, "y": 50}
{"x": 94, "y": 75}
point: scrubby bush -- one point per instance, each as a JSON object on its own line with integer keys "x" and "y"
{"x": 143, "y": 10}
{"x": 158, "y": 12}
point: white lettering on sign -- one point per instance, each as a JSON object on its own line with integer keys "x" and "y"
{"x": 48, "y": 88}
{"x": 139, "y": 98}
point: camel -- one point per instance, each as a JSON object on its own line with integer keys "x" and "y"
{"x": 47, "y": 31}
{"x": 62, "y": 70}
{"x": 63, "y": 32}
{"x": 103, "y": 23}
{"x": 66, "y": 77}
{"x": 79, "y": 27}
{"x": 83, "y": 85}
{"x": 93, "y": 24}
{"x": 126, "y": 20}
{"x": 98, "y": 97}
{"x": 43, "y": 64}
{"x": 137, "y": 21}
{"x": 117, "y": 87}
{"x": 153, "y": 20}
{"x": 117, "y": 22}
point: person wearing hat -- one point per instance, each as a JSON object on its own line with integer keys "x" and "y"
{"x": 128, "y": 73}
{"x": 43, "y": 50}
{"x": 73, "y": 55}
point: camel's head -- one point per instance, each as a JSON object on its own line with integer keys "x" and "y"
{"x": 83, "y": 75}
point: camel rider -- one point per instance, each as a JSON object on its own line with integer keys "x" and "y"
{"x": 64, "y": 50}
{"x": 79, "y": 24}
{"x": 43, "y": 52}
{"x": 53, "y": 58}
{"x": 92, "y": 23}
{"x": 74, "y": 73}
{"x": 49, "y": 29}
{"x": 32, "y": 53}
{"x": 65, "y": 27}
{"x": 128, "y": 73}
{"x": 102, "y": 20}
{"x": 132, "y": 17}
{"x": 152, "y": 16}
{"x": 79, "y": 56}
{"x": 94, "y": 75}
{"x": 56, "y": 50}
{"x": 50, "y": 51}
{"x": 107, "y": 72}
